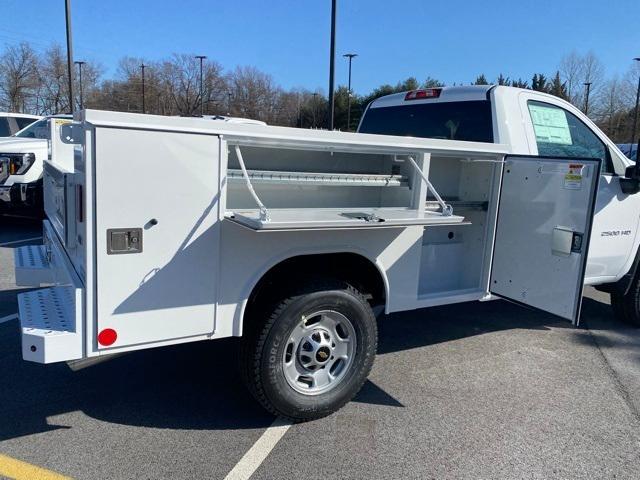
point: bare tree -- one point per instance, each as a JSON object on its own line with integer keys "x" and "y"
{"x": 254, "y": 93}
{"x": 610, "y": 107}
{"x": 571, "y": 73}
{"x": 18, "y": 67}
{"x": 576, "y": 70}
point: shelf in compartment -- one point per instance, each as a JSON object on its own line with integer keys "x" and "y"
{"x": 333, "y": 218}
{"x": 315, "y": 178}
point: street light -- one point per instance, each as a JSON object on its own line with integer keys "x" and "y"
{"x": 67, "y": 11}
{"x": 350, "y": 56}
{"x": 201, "y": 58}
{"x": 332, "y": 62}
{"x": 143, "y": 66}
{"x": 635, "y": 113}
{"x": 229, "y": 103}
{"x": 80, "y": 64}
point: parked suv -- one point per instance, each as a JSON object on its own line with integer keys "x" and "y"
{"x": 21, "y": 163}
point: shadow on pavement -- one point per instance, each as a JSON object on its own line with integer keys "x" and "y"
{"x": 605, "y": 331}
{"x": 429, "y": 326}
{"x": 196, "y": 386}
{"x": 16, "y": 228}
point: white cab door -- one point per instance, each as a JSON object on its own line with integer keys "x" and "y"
{"x": 542, "y": 233}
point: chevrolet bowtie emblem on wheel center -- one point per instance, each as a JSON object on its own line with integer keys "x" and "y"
{"x": 322, "y": 355}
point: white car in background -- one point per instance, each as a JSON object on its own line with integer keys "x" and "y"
{"x": 11, "y": 123}
{"x": 21, "y": 165}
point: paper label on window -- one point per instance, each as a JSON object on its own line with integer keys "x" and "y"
{"x": 550, "y": 125}
{"x": 573, "y": 178}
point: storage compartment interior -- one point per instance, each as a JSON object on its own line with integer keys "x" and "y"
{"x": 304, "y": 189}
{"x": 287, "y": 178}
{"x": 453, "y": 256}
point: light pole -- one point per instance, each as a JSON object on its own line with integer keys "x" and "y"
{"x": 80, "y": 64}
{"x": 67, "y": 10}
{"x": 201, "y": 58}
{"x": 586, "y": 98}
{"x": 229, "y": 104}
{"x": 142, "y": 66}
{"x": 635, "y": 113}
{"x": 350, "y": 56}
{"x": 332, "y": 61}
{"x": 313, "y": 110}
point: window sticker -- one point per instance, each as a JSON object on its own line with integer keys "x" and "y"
{"x": 573, "y": 178}
{"x": 550, "y": 125}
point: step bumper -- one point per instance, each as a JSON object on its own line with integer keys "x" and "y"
{"x": 49, "y": 319}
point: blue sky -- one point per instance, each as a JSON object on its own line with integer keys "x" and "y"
{"x": 453, "y": 41}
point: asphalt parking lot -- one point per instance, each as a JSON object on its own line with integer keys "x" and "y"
{"x": 468, "y": 391}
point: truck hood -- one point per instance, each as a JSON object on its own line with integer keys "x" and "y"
{"x": 19, "y": 145}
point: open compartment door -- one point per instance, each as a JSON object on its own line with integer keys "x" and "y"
{"x": 544, "y": 222}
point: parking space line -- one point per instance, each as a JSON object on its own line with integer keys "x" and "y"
{"x": 6, "y": 244}
{"x": 251, "y": 460}
{"x": 19, "y": 470}
{"x": 8, "y": 318}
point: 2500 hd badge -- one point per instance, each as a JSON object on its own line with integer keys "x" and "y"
{"x": 615, "y": 233}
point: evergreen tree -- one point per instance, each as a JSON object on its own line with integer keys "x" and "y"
{"x": 481, "y": 80}
{"x": 539, "y": 82}
{"x": 558, "y": 87}
{"x": 520, "y": 83}
{"x": 431, "y": 82}
{"x": 502, "y": 80}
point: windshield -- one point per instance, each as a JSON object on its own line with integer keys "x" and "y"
{"x": 39, "y": 129}
{"x": 469, "y": 121}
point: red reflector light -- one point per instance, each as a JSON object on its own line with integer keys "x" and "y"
{"x": 107, "y": 337}
{"x": 421, "y": 94}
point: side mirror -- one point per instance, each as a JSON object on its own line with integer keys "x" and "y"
{"x": 630, "y": 183}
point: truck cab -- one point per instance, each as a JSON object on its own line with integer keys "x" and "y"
{"x": 529, "y": 123}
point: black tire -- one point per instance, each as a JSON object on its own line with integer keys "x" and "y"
{"x": 264, "y": 344}
{"x": 626, "y": 308}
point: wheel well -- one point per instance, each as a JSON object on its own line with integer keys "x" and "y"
{"x": 354, "y": 269}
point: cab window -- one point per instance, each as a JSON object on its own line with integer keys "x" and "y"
{"x": 24, "y": 122}
{"x": 560, "y": 133}
{"x": 5, "y": 130}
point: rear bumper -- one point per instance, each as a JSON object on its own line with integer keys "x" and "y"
{"x": 51, "y": 319}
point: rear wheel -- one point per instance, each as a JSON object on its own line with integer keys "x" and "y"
{"x": 626, "y": 307}
{"x": 313, "y": 353}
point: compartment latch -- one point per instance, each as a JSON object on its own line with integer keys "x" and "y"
{"x": 124, "y": 240}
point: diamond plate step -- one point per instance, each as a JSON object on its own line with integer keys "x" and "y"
{"x": 32, "y": 267}
{"x": 49, "y": 319}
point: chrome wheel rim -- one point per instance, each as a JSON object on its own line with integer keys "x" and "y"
{"x": 319, "y": 352}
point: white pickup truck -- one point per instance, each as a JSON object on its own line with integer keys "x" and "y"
{"x": 22, "y": 157}
{"x": 292, "y": 239}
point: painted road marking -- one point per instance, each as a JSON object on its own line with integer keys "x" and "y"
{"x": 19, "y": 470}
{"x": 8, "y": 318}
{"x": 6, "y": 244}
{"x": 251, "y": 460}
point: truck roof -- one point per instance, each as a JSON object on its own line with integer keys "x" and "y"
{"x": 447, "y": 94}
